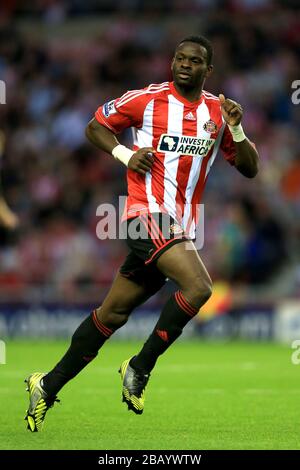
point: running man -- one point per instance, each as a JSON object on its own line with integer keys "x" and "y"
{"x": 178, "y": 129}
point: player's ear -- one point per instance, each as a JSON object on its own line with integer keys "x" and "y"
{"x": 209, "y": 70}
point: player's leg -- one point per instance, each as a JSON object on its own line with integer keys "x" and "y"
{"x": 93, "y": 332}
{"x": 124, "y": 295}
{"x": 165, "y": 249}
{"x": 183, "y": 265}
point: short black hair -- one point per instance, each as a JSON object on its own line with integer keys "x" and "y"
{"x": 203, "y": 42}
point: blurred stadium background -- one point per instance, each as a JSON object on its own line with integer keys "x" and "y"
{"x": 59, "y": 61}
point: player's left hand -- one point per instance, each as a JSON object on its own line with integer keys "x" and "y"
{"x": 231, "y": 110}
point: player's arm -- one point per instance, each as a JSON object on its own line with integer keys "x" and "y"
{"x": 7, "y": 218}
{"x": 140, "y": 161}
{"x": 246, "y": 160}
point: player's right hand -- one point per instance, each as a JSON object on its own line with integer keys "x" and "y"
{"x": 142, "y": 160}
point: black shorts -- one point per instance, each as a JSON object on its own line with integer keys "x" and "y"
{"x": 148, "y": 237}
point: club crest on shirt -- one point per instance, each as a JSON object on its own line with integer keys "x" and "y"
{"x": 185, "y": 145}
{"x": 210, "y": 126}
{"x": 109, "y": 108}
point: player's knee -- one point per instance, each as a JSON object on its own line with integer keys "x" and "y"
{"x": 206, "y": 291}
{"x": 115, "y": 321}
{"x": 200, "y": 291}
{"x": 113, "y": 318}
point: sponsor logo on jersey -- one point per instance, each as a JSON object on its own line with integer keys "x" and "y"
{"x": 185, "y": 145}
{"x": 210, "y": 126}
{"x": 109, "y": 108}
{"x": 190, "y": 117}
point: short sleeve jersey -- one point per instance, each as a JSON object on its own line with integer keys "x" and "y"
{"x": 186, "y": 137}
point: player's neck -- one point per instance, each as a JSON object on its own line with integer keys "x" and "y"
{"x": 190, "y": 94}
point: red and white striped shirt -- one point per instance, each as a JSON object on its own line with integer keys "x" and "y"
{"x": 186, "y": 137}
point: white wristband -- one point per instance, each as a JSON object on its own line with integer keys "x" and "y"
{"x": 237, "y": 133}
{"x": 122, "y": 153}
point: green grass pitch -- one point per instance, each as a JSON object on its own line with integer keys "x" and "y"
{"x": 201, "y": 395}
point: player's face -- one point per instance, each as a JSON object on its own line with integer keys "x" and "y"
{"x": 189, "y": 66}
